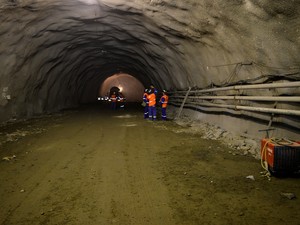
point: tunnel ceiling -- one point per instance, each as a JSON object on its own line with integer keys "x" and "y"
{"x": 55, "y": 54}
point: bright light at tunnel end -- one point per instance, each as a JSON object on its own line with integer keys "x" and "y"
{"x": 130, "y": 87}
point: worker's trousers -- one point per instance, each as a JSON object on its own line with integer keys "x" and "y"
{"x": 152, "y": 113}
{"x": 146, "y": 112}
{"x": 113, "y": 105}
{"x": 164, "y": 113}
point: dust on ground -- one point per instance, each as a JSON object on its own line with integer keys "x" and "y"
{"x": 95, "y": 166}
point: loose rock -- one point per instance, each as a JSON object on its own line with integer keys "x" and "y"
{"x": 251, "y": 177}
{"x": 288, "y": 195}
{"x": 8, "y": 158}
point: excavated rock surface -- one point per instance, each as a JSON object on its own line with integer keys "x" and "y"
{"x": 55, "y": 54}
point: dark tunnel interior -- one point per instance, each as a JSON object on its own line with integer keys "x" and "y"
{"x": 57, "y": 54}
{"x": 69, "y": 48}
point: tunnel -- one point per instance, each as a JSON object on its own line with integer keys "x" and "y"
{"x": 56, "y": 55}
{"x": 231, "y": 71}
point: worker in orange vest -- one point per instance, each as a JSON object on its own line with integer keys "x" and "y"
{"x": 152, "y": 104}
{"x": 113, "y": 99}
{"x": 164, "y": 103}
{"x": 146, "y": 104}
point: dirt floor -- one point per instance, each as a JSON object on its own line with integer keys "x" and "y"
{"x": 95, "y": 166}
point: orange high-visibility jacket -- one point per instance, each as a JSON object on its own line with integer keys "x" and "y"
{"x": 152, "y": 99}
{"x": 164, "y": 100}
{"x": 113, "y": 98}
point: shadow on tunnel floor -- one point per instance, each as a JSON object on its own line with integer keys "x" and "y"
{"x": 133, "y": 107}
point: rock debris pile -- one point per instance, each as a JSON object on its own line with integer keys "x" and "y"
{"x": 240, "y": 145}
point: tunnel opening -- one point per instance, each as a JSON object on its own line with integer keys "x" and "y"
{"x": 128, "y": 85}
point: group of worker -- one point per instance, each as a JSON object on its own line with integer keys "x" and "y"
{"x": 149, "y": 102}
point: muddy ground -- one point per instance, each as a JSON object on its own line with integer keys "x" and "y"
{"x": 95, "y": 166}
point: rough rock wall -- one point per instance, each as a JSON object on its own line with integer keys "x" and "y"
{"x": 55, "y": 54}
{"x": 263, "y": 36}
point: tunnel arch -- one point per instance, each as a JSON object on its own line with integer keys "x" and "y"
{"x": 65, "y": 56}
{"x": 55, "y": 53}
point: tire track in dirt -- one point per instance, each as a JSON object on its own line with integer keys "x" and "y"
{"x": 52, "y": 177}
{"x": 128, "y": 171}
